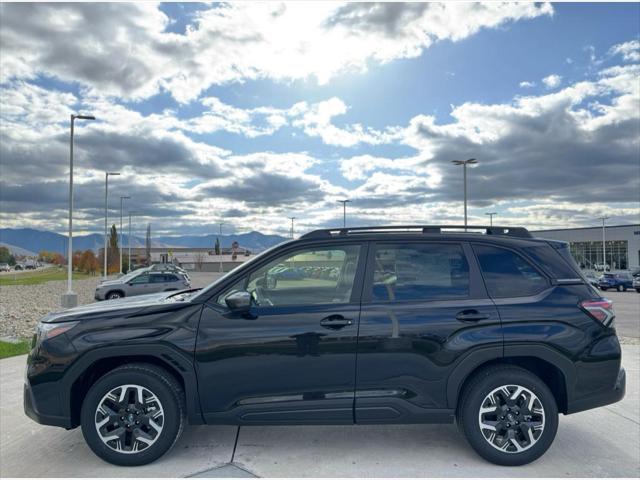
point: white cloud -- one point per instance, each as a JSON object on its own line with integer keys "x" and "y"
{"x": 552, "y": 81}
{"x": 526, "y": 84}
{"x": 316, "y": 121}
{"x": 630, "y": 51}
{"x": 127, "y": 51}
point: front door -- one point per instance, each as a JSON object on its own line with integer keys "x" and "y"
{"x": 293, "y": 358}
{"x": 424, "y": 308}
{"x": 139, "y": 285}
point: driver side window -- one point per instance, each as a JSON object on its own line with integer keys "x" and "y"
{"x": 306, "y": 277}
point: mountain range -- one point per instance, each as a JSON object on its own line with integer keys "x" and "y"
{"x": 37, "y": 240}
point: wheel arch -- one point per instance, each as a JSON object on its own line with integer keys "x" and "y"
{"x": 121, "y": 292}
{"x": 553, "y": 368}
{"x": 89, "y": 368}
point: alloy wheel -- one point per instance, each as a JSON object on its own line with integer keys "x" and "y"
{"x": 511, "y": 418}
{"x": 129, "y": 419}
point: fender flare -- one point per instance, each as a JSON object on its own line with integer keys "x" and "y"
{"x": 179, "y": 360}
{"x": 480, "y": 356}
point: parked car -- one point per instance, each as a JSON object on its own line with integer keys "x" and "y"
{"x": 141, "y": 282}
{"x": 4, "y": 267}
{"x": 617, "y": 281}
{"x": 636, "y": 283}
{"x": 495, "y": 330}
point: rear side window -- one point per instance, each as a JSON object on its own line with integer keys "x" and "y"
{"x": 507, "y": 274}
{"x": 404, "y": 272}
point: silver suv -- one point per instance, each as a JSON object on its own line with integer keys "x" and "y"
{"x": 141, "y": 282}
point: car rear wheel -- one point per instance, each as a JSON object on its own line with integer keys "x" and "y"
{"x": 133, "y": 414}
{"x": 508, "y": 415}
{"x": 621, "y": 288}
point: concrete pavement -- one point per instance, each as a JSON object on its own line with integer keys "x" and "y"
{"x": 601, "y": 443}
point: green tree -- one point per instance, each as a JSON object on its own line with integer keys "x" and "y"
{"x": 217, "y": 246}
{"x": 113, "y": 255}
{"x": 6, "y": 257}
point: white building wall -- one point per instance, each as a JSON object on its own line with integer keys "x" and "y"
{"x": 630, "y": 233}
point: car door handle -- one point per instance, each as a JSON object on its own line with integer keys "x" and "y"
{"x": 335, "y": 322}
{"x": 471, "y": 316}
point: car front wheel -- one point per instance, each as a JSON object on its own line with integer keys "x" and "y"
{"x": 114, "y": 295}
{"x": 508, "y": 415}
{"x": 133, "y": 414}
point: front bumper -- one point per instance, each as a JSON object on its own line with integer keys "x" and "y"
{"x": 32, "y": 411}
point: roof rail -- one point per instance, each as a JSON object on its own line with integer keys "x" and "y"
{"x": 421, "y": 229}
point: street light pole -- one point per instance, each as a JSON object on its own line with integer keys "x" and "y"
{"x": 129, "y": 242}
{"x": 70, "y": 299}
{"x": 106, "y": 217}
{"x": 292, "y": 219}
{"x": 344, "y": 211}
{"x": 491, "y": 214}
{"x": 122, "y": 198}
{"x": 220, "y": 246}
{"x": 464, "y": 164}
{"x": 604, "y": 248}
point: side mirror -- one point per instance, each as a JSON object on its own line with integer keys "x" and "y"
{"x": 239, "y": 302}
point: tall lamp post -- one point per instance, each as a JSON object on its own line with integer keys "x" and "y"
{"x": 129, "y": 242}
{"x": 491, "y": 214}
{"x": 106, "y": 217}
{"x": 292, "y": 219}
{"x": 220, "y": 224}
{"x": 122, "y": 198}
{"x": 344, "y": 211}
{"x": 70, "y": 299}
{"x": 604, "y": 248}
{"x": 464, "y": 164}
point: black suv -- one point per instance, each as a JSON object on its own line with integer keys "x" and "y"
{"x": 487, "y": 327}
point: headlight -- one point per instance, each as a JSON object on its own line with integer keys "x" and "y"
{"x": 50, "y": 330}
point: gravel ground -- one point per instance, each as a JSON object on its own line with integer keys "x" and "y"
{"x": 21, "y": 306}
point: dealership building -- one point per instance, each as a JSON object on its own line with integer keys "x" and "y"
{"x": 622, "y": 245}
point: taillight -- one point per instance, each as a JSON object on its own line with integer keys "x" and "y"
{"x": 601, "y": 310}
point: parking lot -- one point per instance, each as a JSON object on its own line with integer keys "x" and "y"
{"x": 602, "y": 443}
{"x": 597, "y": 443}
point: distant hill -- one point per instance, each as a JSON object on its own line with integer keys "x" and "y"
{"x": 17, "y": 251}
{"x": 37, "y": 240}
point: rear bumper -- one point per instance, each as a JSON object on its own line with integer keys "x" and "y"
{"x": 602, "y": 398}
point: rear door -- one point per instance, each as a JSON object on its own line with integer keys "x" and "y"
{"x": 424, "y": 308}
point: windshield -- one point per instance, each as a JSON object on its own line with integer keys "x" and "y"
{"x": 205, "y": 291}
{"x": 130, "y": 275}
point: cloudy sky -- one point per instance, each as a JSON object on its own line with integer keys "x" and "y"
{"x": 252, "y": 113}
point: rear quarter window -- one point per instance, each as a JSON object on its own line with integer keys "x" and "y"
{"x": 556, "y": 261}
{"x": 508, "y": 274}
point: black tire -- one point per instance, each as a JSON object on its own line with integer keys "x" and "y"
{"x": 157, "y": 381}
{"x": 475, "y": 393}
{"x": 622, "y": 288}
{"x": 638, "y": 290}
{"x": 603, "y": 289}
{"x": 114, "y": 295}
